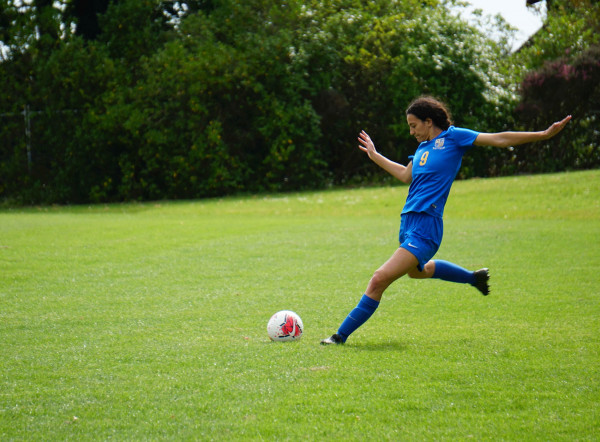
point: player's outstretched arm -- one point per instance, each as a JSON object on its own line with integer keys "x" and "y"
{"x": 403, "y": 173}
{"x": 507, "y": 139}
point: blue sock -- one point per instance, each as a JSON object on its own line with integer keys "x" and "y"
{"x": 451, "y": 272}
{"x": 357, "y": 317}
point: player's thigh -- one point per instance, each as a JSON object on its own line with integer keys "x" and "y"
{"x": 399, "y": 264}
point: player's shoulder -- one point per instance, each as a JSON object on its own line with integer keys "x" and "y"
{"x": 450, "y": 133}
{"x": 454, "y": 130}
{"x": 461, "y": 135}
{"x": 460, "y": 130}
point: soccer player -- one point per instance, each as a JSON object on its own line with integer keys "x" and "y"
{"x": 430, "y": 172}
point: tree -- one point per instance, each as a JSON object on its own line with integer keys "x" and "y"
{"x": 85, "y": 15}
{"x": 206, "y": 98}
{"x": 369, "y": 61}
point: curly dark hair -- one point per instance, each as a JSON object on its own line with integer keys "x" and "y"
{"x": 429, "y": 107}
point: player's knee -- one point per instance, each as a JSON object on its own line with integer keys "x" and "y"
{"x": 380, "y": 279}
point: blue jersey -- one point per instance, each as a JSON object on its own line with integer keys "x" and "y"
{"x": 435, "y": 165}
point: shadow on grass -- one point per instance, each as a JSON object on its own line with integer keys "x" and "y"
{"x": 377, "y": 346}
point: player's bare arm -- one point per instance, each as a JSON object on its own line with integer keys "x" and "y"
{"x": 403, "y": 173}
{"x": 507, "y": 139}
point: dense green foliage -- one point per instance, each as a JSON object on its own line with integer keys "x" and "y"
{"x": 152, "y": 100}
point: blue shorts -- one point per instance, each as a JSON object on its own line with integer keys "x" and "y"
{"x": 421, "y": 234}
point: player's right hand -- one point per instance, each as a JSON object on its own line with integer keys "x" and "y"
{"x": 366, "y": 144}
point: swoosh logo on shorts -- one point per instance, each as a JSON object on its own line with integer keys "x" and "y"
{"x": 410, "y": 245}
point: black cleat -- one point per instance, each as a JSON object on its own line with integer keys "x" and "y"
{"x": 333, "y": 339}
{"x": 482, "y": 276}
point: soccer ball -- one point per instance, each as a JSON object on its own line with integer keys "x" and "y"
{"x": 285, "y": 326}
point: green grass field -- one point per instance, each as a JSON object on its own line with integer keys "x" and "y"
{"x": 148, "y": 321}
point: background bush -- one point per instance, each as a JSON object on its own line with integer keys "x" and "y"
{"x": 145, "y": 99}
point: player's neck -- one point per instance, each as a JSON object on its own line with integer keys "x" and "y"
{"x": 434, "y": 132}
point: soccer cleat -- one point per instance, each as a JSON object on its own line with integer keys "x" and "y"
{"x": 333, "y": 339}
{"x": 482, "y": 277}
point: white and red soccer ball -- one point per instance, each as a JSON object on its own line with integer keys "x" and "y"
{"x": 285, "y": 326}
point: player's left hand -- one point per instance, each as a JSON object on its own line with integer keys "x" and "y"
{"x": 556, "y": 127}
